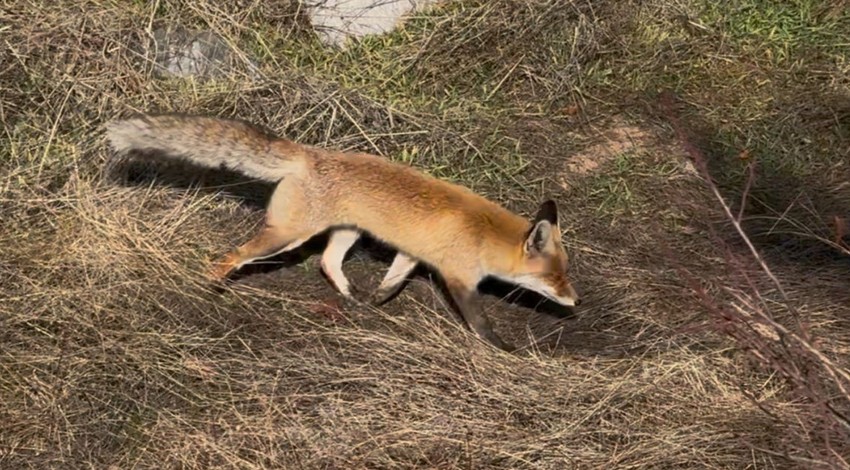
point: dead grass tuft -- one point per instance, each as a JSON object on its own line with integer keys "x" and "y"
{"x": 114, "y": 352}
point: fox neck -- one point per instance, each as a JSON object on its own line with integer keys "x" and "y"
{"x": 508, "y": 262}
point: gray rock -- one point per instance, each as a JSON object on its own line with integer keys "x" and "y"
{"x": 337, "y": 20}
{"x": 180, "y": 52}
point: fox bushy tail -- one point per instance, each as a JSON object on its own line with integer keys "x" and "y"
{"x": 209, "y": 142}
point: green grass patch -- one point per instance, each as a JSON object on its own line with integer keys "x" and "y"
{"x": 781, "y": 30}
{"x": 757, "y": 76}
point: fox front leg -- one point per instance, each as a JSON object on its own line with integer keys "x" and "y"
{"x": 468, "y": 303}
{"x": 339, "y": 243}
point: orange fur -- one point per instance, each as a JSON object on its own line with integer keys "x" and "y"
{"x": 460, "y": 234}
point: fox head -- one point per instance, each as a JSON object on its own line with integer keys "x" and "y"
{"x": 544, "y": 262}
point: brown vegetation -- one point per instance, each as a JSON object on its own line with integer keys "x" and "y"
{"x": 714, "y": 330}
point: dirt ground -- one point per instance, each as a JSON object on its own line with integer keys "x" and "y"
{"x": 701, "y": 342}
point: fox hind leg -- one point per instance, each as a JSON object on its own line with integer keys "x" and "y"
{"x": 283, "y": 231}
{"x": 269, "y": 242}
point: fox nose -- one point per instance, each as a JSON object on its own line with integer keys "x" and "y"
{"x": 578, "y": 302}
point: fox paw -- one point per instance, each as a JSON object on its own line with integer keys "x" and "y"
{"x": 216, "y": 281}
{"x": 216, "y": 277}
{"x": 498, "y": 342}
{"x": 219, "y": 271}
{"x": 507, "y": 347}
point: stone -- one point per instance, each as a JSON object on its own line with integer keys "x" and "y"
{"x": 337, "y": 20}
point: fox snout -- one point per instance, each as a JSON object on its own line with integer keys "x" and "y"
{"x": 555, "y": 286}
{"x": 571, "y": 299}
{"x": 574, "y": 295}
{"x": 566, "y": 294}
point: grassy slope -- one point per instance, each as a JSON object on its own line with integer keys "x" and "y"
{"x": 114, "y": 352}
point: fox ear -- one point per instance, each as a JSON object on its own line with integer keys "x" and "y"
{"x": 548, "y": 211}
{"x": 538, "y": 237}
{"x": 543, "y": 229}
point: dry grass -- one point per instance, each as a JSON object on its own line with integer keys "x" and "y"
{"x": 115, "y": 354}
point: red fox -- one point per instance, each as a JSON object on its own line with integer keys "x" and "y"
{"x": 459, "y": 234}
